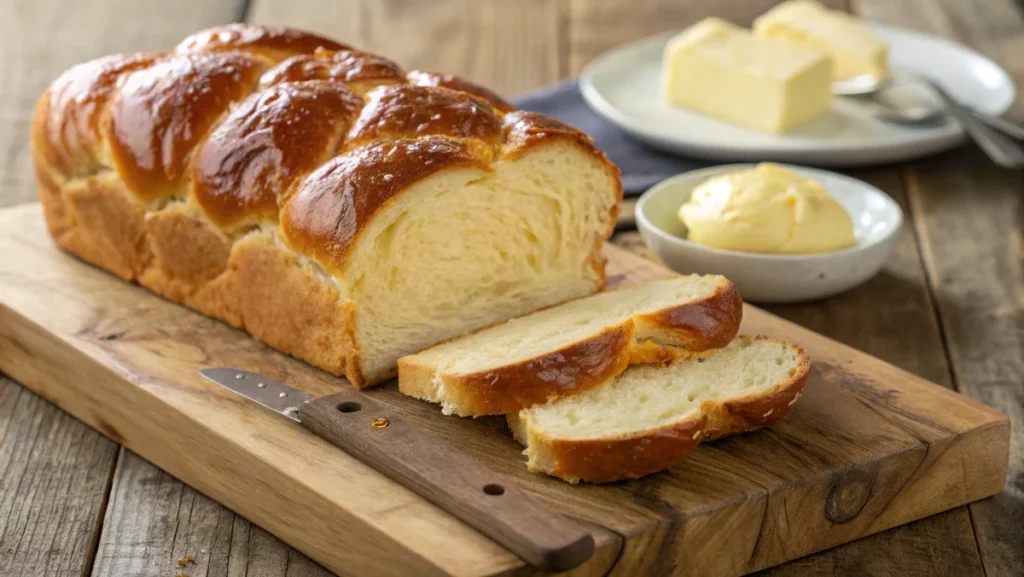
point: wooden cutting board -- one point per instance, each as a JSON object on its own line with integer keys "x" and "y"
{"x": 867, "y": 447}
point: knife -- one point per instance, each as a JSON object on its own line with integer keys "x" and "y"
{"x": 425, "y": 464}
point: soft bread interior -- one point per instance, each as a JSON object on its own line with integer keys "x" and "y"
{"x": 524, "y": 338}
{"x": 647, "y": 397}
{"x": 465, "y": 248}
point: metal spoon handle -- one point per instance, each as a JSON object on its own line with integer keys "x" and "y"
{"x": 1001, "y": 124}
{"x": 1000, "y": 148}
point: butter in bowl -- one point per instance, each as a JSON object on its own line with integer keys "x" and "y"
{"x": 781, "y": 233}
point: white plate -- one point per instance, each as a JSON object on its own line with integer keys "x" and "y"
{"x": 774, "y": 278}
{"x": 623, "y": 86}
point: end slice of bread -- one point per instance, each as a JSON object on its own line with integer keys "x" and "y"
{"x": 572, "y": 347}
{"x": 652, "y": 416}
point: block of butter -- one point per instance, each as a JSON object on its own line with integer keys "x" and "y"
{"x": 725, "y": 71}
{"x": 854, "y": 49}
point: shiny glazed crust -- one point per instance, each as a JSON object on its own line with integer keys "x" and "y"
{"x": 709, "y": 323}
{"x": 237, "y": 171}
{"x": 605, "y": 460}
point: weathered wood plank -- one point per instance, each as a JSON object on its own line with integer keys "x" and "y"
{"x": 511, "y": 47}
{"x": 54, "y": 477}
{"x": 155, "y": 523}
{"x": 937, "y": 546}
{"x": 968, "y": 215}
{"x": 980, "y": 293}
{"x": 39, "y": 39}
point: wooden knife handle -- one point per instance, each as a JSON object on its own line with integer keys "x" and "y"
{"x": 433, "y": 469}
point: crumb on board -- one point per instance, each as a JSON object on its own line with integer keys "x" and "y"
{"x": 188, "y": 560}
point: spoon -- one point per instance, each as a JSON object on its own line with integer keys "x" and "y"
{"x": 871, "y": 90}
{"x": 992, "y": 134}
{"x": 868, "y": 88}
{"x": 998, "y": 146}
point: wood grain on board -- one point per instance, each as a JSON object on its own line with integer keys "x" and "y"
{"x": 381, "y": 437}
{"x": 867, "y": 448}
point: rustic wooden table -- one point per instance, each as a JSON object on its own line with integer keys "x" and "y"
{"x": 949, "y": 306}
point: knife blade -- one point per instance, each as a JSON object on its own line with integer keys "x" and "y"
{"x": 271, "y": 394}
{"x": 424, "y": 463}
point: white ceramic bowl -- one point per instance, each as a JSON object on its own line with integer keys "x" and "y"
{"x": 771, "y": 278}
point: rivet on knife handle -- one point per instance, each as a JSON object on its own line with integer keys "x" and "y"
{"x": 448, "y": 478}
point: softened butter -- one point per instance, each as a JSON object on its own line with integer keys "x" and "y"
{"x": 766, "y": 209}
{"x": 855, "y": 50}
{"x": 725, "y": 71}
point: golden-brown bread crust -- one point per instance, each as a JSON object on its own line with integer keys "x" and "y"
{"x": 99, "y": 220}
{"x": 403, "y": 111}
{"x": 698, "y": 325}
{"x": 710, "y": 323}
{"x": 162, "y": 112}
{"x": 186, "y": 250}
{"x": 421, "y": 78}
{"x": 358, "y": 70}
{"x": 577, "y": 367}
{"x": 250, "y": 163}
{"x": 319, "y": 327}
{"x": 754, "y": 411}
{"x": 188, "y": 260}
{"x": 272, "y": 42}
{"x": 351, "y": 188}
{"x": 68, "y": 121}
{"x": 616, "y": 458}
{"x": 524, "y": 130}
{"x": 147, "y": 161}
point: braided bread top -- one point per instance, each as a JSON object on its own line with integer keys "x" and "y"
{"x": 257, "y": 124}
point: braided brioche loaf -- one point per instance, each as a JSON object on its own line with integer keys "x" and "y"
{"x": 319, "y": 197}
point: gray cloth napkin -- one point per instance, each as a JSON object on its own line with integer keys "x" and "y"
{"x": 641, "y": 165}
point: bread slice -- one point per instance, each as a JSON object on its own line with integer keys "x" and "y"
{"x": 652, "y": 415}
{"x": 572, "y": 347}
